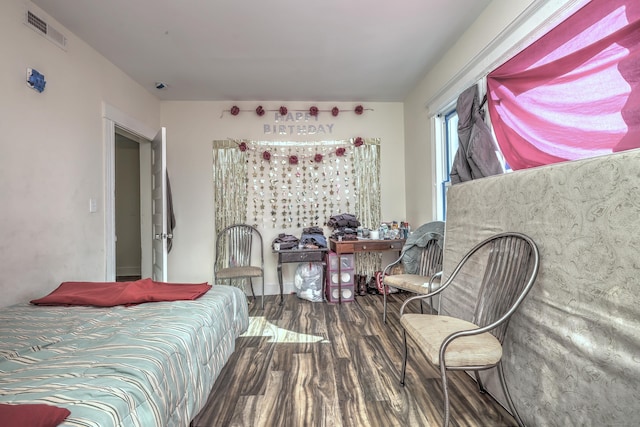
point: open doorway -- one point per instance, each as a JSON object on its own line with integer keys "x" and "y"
{"x": 116, "y": 122}
{"x": 127, "y": 206}
{"x": 131, "y": 206}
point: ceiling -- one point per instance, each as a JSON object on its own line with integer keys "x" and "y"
{"x": 328, "y": 50}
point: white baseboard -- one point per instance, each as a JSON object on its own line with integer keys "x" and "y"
{"x": 270, "y": 289}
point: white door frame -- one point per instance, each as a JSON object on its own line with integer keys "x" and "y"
{"x": 160, "y": 231}
{"x": 113, "y": 117}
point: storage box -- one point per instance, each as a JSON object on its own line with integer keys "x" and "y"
{"x": 348, "y": 293}
{"x": 340, "y": 281}
{"x": 346, "y": 261}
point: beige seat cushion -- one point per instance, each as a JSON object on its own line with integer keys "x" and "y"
{"x": 429, "y": 331}
{"x": 411, "y": 282}
{"x": 233, "y": 272}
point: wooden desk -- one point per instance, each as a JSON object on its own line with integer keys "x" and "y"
{"x": 296, "y": 255}
{"x": 362, "y": 245}
{"x": 365, "y": 245}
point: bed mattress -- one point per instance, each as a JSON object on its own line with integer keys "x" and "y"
{"x": 151, "y": 364}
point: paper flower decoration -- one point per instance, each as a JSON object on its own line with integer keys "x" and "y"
{"x": 266, "y": 155}
{"x": 317, "y": 158}
{"x": 335, "y": 111}
{"x": 313, "y": 111}
{"x": 243, "y": 146}
{"x": 283, "y": 111}
{"x": 359, "y": 109}
{"x": 358, "y": 142}
{"x": 340, "y": 151}
{"x": 235, "y": 110}
{"x": 260, "y": 110}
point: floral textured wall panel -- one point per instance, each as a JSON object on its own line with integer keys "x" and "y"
{"x": 287, "y": 185}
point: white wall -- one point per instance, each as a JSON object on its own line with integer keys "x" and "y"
{"x": 193, "y": 126}
{"x": 51, "y": 156}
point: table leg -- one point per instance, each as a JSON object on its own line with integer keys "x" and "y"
{"x": 280, "y": 280}
{"x": 339, "y": 279}
{"x": 324, "y": 278}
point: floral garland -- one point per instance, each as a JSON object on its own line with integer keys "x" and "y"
{"x": 294, "y": 159}
{"x": 313, "y": 110}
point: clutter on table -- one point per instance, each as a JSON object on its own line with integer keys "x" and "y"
{"x": 344, "y": 226}
{"x": 311, "y": 238}
{"x": 394, "y": 230}
{"x": 284, "y": 242}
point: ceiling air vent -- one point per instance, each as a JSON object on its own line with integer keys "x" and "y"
{"x": 41, "y": 27}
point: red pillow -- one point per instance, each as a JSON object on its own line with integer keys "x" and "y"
{"x": 32, "y": 415}
{"x": 110, "y": 294}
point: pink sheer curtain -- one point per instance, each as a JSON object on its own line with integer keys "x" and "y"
{"x": 575, "y": 92}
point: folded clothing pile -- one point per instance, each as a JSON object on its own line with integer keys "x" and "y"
{"x": 344, "y": 225}
{"x": 287, "y": 241}
{"x": 313, "y": 238}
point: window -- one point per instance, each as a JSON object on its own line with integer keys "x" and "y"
{"x": 450, "y": 148}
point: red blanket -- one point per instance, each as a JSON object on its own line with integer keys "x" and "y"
{"x": 109, "y": 294}
{"x": 32, "y": 415}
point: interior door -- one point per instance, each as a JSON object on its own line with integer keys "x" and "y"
{"x": 159, "y": 205}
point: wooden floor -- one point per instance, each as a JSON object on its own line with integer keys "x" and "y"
{"x": 127, "y": 278}
{"x": 321, "y": 364}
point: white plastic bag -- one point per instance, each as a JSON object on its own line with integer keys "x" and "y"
{"x": 308, "y": 281}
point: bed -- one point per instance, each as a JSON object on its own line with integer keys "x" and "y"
{"x": 151, "y": 364}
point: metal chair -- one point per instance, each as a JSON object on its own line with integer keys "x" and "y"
{"x": 421, "y": 257}
{"x": 506, "y": 266}
{"x": 235, "y": 246}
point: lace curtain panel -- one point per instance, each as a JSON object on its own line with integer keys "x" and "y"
{"x": 367, "y": 204}
{"x": 230, "y": 194}
{"x": 230, "y": 184}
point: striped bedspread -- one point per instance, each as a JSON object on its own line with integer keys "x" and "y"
{"x": 147, "y": 365}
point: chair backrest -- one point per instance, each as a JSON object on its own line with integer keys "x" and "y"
{"x": 235, "y": 246}
{"x": 422, "y": 251}
{"x": 430, "y": 259}
{"x": 510, "y": 263}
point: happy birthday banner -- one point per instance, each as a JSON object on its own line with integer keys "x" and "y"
{"x": 296, "y": 122}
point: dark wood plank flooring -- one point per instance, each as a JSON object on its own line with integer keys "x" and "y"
{"x": 321, "y": 364}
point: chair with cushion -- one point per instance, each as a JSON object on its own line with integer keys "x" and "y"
{"x": 239, "y": 256}
{"x": 421, "y": 257}
{"x": 504, "y": 267}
